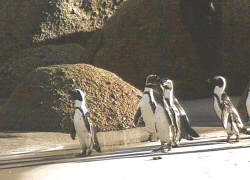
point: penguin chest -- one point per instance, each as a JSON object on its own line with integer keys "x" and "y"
{"x": 82, "y": 132}
{"x": 146, "y": 109}
{"x": 248, "y": 104}
{"x": 217, "y": 108}
{"x": 162, "y": 124}
{"x": 230, "y": 124}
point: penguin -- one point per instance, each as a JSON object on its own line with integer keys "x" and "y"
{"x": 248, "y": 102}
{"x": 163, "y": 122}
{"x": 82, "y": 127}
{"x": 173, "y": 112}
{"x": 244, "y": 104}
{"x": 182, "y": 127}
{"x": 225, "y": 109}
{"x": 187, "y": 132}
{"x": 148, "y": 105}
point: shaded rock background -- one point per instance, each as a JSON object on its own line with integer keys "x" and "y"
{"x": 149, "y": 37}
{"x": 188, "y": 41}
{"x": 25, "y": 61}
{"x": 28, "y": 23}
{"x": 42, "y": 101}
{"x": 235, "y": 40}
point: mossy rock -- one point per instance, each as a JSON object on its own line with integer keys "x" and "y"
{"x": 23, "y": 62}
{"x": 42, "y": 101}
{"x": 28, "y": 23}
{"x": 148, "y": 37}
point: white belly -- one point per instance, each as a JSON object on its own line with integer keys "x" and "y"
{"x": 231, "y": 128}
{"x": 147, "y": 113}
{"x": 162, "y": 125}
{"x": 82, "y": 133}
{"x": 217, "y": 108}
{"x": 248, "y": 105}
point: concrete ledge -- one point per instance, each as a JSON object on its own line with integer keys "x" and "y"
{"x": 110, "y": 139}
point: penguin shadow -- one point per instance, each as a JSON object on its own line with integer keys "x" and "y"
{"x": 222, "y": 140}
{"x": 37, "y": 157}
{"x": 3, "y": 136}
{"x": 138, "y": 152}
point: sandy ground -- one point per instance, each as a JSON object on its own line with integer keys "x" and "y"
{"x": 50, "y": 155}
{"x": 208, "y": 157}
{"x": 200, "y": 112}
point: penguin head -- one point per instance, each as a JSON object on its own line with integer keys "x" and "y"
{"x": 78, "y": 94}
{"x": 152, "y": 80}
{"x": 167, "y": 87}
{"x": 167, "y": 84}
{"x": 218, "y": 81}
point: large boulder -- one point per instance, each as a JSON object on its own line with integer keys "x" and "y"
{"x": 20, "y": 64}
{"x": 42, "y": 101}
{"x": 149, "y": 36}
{"x": 28, "y": 23}
{"x": 234, "y": 43}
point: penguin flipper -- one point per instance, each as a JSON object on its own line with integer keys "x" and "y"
{"x": 137, "y": 116}
{"x": 87, "y": 124}
{"x": 96, "y": 144}
{"x": 179, "y": 107}
{"x": 187, "y": 128}
{"x": 72, "y": 131}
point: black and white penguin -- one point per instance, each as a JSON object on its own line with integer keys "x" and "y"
{"x": 181, "y": 123}
{"x": 168, "y": 95}
{"x": 225, "y": 110}
{"x": 82, "y": 127}
{"x": 163, "y": 122}
{"x": 243, "y": 105}
{"x": 148, "y": 104}
{"x": 248, "y": 103}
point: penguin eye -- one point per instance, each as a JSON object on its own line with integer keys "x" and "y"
{"x": 79, "y": 96}
{"x": 219, "y": 82}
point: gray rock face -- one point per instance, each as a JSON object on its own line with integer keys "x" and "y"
{"x": 28, "y": 23}
{"x": 148, "y": 36}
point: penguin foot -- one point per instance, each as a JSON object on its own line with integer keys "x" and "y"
{"x": 169, "y": 147}
{"x": 80, "y": 155}
{"x": 176, "y": 144}
{"x": 85, "y": 152}
{"x": 88, "y": 152}
{"x": 190, "y": 138}
{"x": 243, "y": 130}
{"x": 237, "y": 138}
{"x": 164, "y": 150}
{"x": 152, "y": 138}
{"x": 160, "y": 149}
{"x": 228, "y": 139}
{"x": 157, "y": 150}
{"x": 97, "y": 148}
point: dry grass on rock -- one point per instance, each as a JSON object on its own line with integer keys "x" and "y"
{"x": 42, "y": 101}
{"x": 25, "y": 61}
